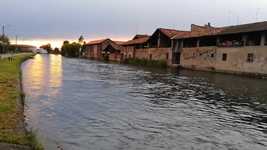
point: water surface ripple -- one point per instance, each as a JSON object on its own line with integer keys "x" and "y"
{"x": 89, "y": 105}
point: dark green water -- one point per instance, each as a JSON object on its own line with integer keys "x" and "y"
{"x": 88, "y": 105}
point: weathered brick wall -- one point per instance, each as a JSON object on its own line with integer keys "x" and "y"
{"x": 198, "y": 29}
{"x": 154, "y": 54}
{"x": 131, "y": 52}
{"x": 116, "y": 56}
{"x": 128, "y": 52}
{"x": 210, "y": 58}
{"x": 198, "y": 57}
{"x": 88, "y": 52}
{"x": 142, "y": 53}
{"x": 93, "y": 52}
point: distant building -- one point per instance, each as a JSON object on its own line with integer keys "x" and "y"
{"x": 41, "y": 51}
{"x": 24, "y": 48}
{"x": 130, "y": 47}
{"x": 234, "y": 49}
{"x": 104, "y": 49}
{"x": 154, "y": 47}
{"x": 93, "y": 49}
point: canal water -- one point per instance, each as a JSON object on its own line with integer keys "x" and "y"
{"x": 88, "y": 105}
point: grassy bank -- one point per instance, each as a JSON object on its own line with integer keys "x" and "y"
{"x": 12, "y": 127}
{"x": 147, "y": 63}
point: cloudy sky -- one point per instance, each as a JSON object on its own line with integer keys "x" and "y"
{"x": 54, "y": 20}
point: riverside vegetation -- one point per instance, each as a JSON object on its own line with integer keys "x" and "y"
{"x": 12, "y": 127}
{"x": 147, "y": 63}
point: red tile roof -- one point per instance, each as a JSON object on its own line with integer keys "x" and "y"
{"x": 96, "y": 42}
{"x": 136, "y": 41}
{"x": 171, "y": 32}
{"x": 251, "y": 27}
{"x": 140, "y": 36}
{"x": 198, "y": 34}
{"x": 244, "y": 28}
{"x": 119, "y": 42}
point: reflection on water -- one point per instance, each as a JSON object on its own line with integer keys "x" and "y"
{"x": 46, "y": 71}
{"x": 45, "y": 74}
{"x": 55, "y": 71}
{"x": 83, "y": 104}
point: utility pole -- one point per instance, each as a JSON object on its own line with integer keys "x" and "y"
{"x": 16, "y": 49}
{"x": 3, "y": 30}
{"x": 3, "y": 35}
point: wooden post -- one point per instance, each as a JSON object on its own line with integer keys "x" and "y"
{"x": 182, "y": 44}
{"x": 217, "y": 41}
{"x": 172, "y": 45}
{"x": 263, "y": 38}
{"x": 244, "y": 39}
{"x": 177, "y": 46}
{"x": 158, "y": 40}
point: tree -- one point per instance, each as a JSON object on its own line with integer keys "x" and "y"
{"x": 4, "y": 44}
{"x": 56, "y": 51}
{"x": 4, "y": 39}
{"x": 66, "y": 42}
{"x": 47, "y": 47}
{"x": 70, "y": 49}
{"x": 81, "y": 39}
{"x": 83, "y": 48}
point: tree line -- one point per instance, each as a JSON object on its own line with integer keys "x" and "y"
{"x": 68, "y": 49}
{"x": 6, "y": 46}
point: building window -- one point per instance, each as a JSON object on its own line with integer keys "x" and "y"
{"x": 224, "y": 57}
{"x": 250, "y": 58}
{"x": 212, "y": 55}
{"x": 167, "y": 56}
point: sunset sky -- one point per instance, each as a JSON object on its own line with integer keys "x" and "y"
{"x": 40, "y": 21}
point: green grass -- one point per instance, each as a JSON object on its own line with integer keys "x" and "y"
{"x": 148, "y": 63}
{"x": 11, "y": 104}
{"x": 34, "y": 143}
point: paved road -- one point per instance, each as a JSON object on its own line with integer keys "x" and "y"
{"x": 2, "y": 56}
{"x": 4, "y": 146}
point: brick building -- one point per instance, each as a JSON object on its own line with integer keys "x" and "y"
{"x": 104, "y": 49}
{"x": 130, "y": 47}
{"x": 25, "y": 48}
{"x": 154, "y": 47}
{"x": 112, "y": 52}
{"x": 234, "y": 49}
